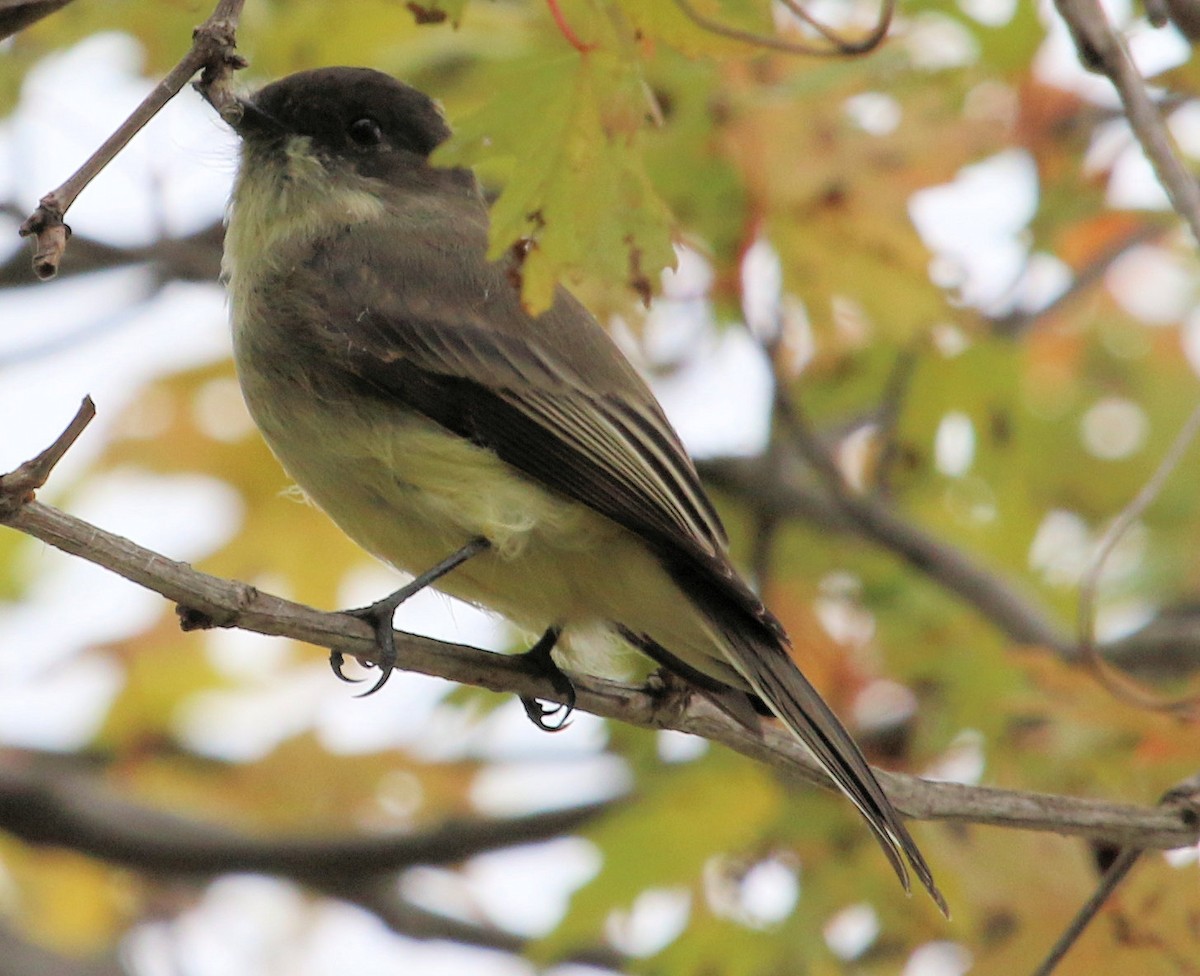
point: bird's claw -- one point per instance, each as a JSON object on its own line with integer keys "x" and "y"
{"x": 379, "y": 616}
{"x": 538, "y": 712}
{"x": 336, "y": 660}
{"x": 539, "y": 661}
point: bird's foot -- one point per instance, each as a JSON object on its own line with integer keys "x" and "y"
{"x": 379, "y": 614}
{"x": 538, "y": 660}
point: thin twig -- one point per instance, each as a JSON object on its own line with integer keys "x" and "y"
{"x": 1102, "y": 49}
{"x": 415, "y": 922}
{"x": 808, "y": 442}
{"x": 840, "y": 43}
{"x": 1183, "y": 796}
{"x": 193, "y": 257}
{"x": 212, "y": 51}
{"x": 842, "y": 46}
{"x": 20, "y": 486}
{"x": 1117, "y": 872}
{"x": 1014, "y": 323}
{"x": 1117, "y": 683}
{"x": 16, "y": 15}
{"x": 887, "y": 417}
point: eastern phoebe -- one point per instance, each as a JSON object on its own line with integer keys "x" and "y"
{"x": 395, "y": 374}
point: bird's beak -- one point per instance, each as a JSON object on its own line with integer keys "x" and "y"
{"x": 251, "y": 122}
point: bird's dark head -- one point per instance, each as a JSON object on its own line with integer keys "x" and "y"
{"x": 335, "y": 146}
{"x": 355, "y": 117}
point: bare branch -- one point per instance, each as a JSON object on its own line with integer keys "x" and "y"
{"x": 1118, "y": 684}
{"x": 16, "y": 15}
{"x": 1117, "y": 872}
{"x": 212, "y": 51}
{"x": 1185, "y": 795}
{"x": 19, "y": 487}
{"x": 1167, "y": 646}
{"x": 1015, "y": 323}
{"x": 41, "y": 803}
{"x": 402, "y": 916}
{"x": 193, "y": 257}
{"x": 1102, "y": 49}
{"x": 44, "y": 805}
{"x": 841, "y": 46}
{"x": 887, "y": 417}
{"x": 871, "y": 518}
{"x": 671, "y": 705}
{"x": 237, "y": 604}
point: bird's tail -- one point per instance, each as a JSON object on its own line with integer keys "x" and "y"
{"x": 761, "y": 657}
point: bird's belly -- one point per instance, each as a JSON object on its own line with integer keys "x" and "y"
{"x": 411, "y": 494}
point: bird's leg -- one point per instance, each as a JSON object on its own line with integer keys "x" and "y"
{"x": 539, "y": 661}
{"x": 379, "y": 615}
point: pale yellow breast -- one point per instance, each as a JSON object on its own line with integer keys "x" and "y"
{"x": 411, "y": 494}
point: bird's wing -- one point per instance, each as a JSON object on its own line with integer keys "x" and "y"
{"x": 554, "y": 398}
{"x": 617, "y": 457}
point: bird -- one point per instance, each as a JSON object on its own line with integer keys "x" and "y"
{"x": 516, "y": 461}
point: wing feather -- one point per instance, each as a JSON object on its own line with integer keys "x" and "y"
{"x": 514, "y": 398}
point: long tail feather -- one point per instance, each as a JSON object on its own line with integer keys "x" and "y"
{"x": 767, "y": 667}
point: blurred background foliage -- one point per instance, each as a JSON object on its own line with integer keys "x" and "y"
{"x": 937, "y": 251}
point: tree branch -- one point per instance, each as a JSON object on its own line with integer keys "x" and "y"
{"x": 1118, "y": 684}
{"x": 19, "y": 487}
{"x": 1015, "y": 323}
{"x": 405, "y": 918}
{"x": 193, "y": 257}
{"x": 233, "y": 604}
{"x": 1168, "y": 646}
{"x": 45, "y": 806}
{"x": 213, "y": 51}
{"x": 787, "y": 495}
{"x": 1102, "y": 49}
{"x": 1186, "y": 794}
{"x": 16, "y": 15}
{"x": 839, "y": 46}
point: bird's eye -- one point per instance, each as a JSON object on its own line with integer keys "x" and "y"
{"x": 365, "y": 132}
